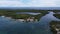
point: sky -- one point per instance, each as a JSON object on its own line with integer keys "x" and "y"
{"x": 29, "y": 3}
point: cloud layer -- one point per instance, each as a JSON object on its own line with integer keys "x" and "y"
{"x": 29, "y": 3}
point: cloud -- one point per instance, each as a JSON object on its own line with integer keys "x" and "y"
{"x": 42, "y": 3}
{"x": 57, "y": 2}
{"x": 10, "y": 3}
{"x": 29, "y": 3}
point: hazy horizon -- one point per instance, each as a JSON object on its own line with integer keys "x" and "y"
{"x": 36, "y": 8}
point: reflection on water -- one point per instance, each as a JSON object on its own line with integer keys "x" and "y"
{"x": 31, "y": 13}
{"x": 9, "y": 26}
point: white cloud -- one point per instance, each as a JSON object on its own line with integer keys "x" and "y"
{"x": 32, "y": 3}
{"x": 57, "y": 2}
{"x": 10, "y": 3}
{"x": 42, "y": 3}
{"x": 8, "y": 0}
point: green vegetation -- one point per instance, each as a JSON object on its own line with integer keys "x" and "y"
{"x": 12, "y": 13}
{"x": 56, "y": 11}
{"x": 57, "y": 15}
{"x": 53, "y": 25}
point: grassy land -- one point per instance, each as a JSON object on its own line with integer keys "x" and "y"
{"x": 57, "y": 15}
{"x": 53, "y": 25}
{"x": 12, "y": 13}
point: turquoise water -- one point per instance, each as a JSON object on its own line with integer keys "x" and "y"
{"x": 10, "y": 26}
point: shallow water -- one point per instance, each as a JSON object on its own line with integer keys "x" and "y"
{"x": 9, "y": 26}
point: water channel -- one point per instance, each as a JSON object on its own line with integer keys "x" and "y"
{"x": 10, "y": 26}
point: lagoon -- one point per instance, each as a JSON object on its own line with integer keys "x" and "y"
{"x": 31, "y": 13}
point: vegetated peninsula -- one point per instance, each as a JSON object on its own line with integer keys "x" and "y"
{"x": 55, "y": 27}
